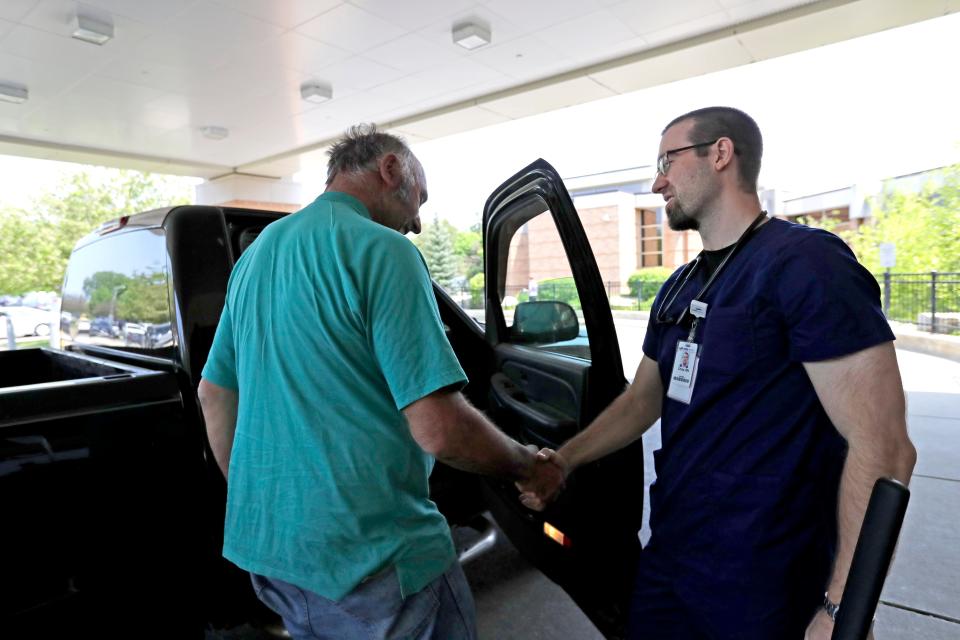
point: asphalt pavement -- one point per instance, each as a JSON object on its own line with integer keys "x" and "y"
{"x": 921, "y": 599}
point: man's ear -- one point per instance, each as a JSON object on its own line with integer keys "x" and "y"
{"x": 391, "y": 170}
{"x": 725, "y": 153}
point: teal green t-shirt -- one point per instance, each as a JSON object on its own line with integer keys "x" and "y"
{"x": 329, "y": 330}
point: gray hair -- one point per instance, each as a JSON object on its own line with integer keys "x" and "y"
{"x": 360, "y": 148}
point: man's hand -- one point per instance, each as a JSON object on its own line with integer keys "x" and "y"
{"x": 547, "y": 479}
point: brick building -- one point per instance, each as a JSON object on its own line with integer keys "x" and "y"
{"x": 627, "y": 229}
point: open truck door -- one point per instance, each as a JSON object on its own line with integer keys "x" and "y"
{"x": 556, "y": 366}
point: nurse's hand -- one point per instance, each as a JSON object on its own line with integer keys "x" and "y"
{"x": 821, "y": 627}
{"x": 546, "y": 480}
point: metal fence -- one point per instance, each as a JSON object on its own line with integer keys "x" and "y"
{"x": 929, "y": 300}
{"x": 563, "y": 290}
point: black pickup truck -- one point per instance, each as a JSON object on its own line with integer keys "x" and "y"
{"x": 112, "y": 504}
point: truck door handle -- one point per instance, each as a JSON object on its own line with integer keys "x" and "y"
{"x": 510, "y": 395}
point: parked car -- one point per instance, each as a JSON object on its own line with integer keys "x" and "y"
{"x": 103, "y": 326}
{"x": 28, "y": 321}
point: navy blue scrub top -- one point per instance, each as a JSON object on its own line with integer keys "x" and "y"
{"x": 748, "y": 472}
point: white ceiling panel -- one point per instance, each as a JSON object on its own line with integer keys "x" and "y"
{"x": 175, "y": 51}
{"x": 157, "y": 75}
{"x": 548, "y": 98}
{"x": 177, "y": 65}
{"x": 358, "y": 73}
{"x": 6, "y": 27}
{"x": 412, "y": 15}
{"x": 285, "y": 13}
{"x": 110, "y": 98}
{"x": 420, "y": 88}
{"x": 150, "y": 13}
{"x": 412, "y": 52}
{"x": 690, "y": 28}
{"x": 525, "y": 57}
{"x": 350, "y": 28}
{"x": 206, "y": 35}
{"x": 449, "y": 123}
{"x": 649, "y": 17}
{"x": 295, "y": 51}
{"x": 208, "y": 20}
{"x": 534, "y": 16}
{"x": 58, "y": 122}
{"x": 44, "y": 81}
{"x": 9, "y": 120}
{"x": 588, "y": 35}
{"x": 15, "y": 10}
{"x": 501, "y": 29}
{"x": 683, "y": 63}
{"x": 743, "y": 10}
{"x": 57, "y": 17}
{"x": 34, "y": 44}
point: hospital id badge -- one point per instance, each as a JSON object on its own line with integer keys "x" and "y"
{"x": 684, "y": 374}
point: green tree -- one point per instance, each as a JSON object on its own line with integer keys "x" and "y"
{"x": 437, "y": 245}
{"x": 37, "y": 241}
{"x": 468, "y": 247}
{"x": 925, "y": 227}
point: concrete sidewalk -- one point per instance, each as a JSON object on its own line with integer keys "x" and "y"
{"x": 921, "y": 599}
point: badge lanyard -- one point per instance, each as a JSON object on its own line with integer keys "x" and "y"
{"x": 687, "y": 357}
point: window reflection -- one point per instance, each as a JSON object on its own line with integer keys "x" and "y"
{"x": 116, "y": 295}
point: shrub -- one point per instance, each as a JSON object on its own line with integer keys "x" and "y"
{"x": 561, "y": 289}
{"x": 645, "y": 283}
{"x": 475, "y": 285}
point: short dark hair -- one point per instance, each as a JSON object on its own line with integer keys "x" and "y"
{"x": 360, "y": 148}
{"x": 711, "y": 123}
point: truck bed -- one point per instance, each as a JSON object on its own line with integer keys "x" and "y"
{"x": 100, "y": 482}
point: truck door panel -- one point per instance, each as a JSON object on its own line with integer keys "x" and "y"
{"x": 556, "y": 366}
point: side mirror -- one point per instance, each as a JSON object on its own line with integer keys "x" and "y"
{"x": 544, "y": 321}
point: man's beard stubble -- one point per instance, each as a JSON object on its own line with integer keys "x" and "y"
{"x": 678, "y": 220}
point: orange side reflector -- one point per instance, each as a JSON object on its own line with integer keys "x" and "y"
{"x": 556, "y": 535}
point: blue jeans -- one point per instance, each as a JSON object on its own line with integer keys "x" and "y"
{"x": 374, "y": 610}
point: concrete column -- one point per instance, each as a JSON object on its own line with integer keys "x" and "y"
{"x": 251, "y": 192}
{"x": 629, "y": 251}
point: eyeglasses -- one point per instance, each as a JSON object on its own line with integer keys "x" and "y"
{"x": 664, "y": 162}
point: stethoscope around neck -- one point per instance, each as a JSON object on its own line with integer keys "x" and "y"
{"x": 677, "y": 285}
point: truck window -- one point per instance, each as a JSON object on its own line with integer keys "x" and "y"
{"x": 115, "y": 295}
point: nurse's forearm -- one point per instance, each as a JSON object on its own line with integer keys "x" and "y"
{"x": 861, "y": 470}
{"x": 626, "y": 419}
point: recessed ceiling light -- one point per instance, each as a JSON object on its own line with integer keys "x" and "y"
{"x": 471, "y": 35}
{"x": 14, "y": 93}
{"x": 93, "y": 26}
{"x": 214, "y": 133}
{"x": 313, "y": 91}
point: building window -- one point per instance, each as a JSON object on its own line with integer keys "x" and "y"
{"x": 649, "y": 239}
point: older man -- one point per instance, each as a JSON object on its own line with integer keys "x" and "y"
{"x": 325, "y": 418}
{"x": 773, "y": 372}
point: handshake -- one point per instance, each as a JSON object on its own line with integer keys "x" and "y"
{"x": 545, "y": 479}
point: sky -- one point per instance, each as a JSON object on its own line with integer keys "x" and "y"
{"x": 858, "y": 111}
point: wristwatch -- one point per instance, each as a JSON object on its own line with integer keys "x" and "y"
{"x": 831, "y": 608}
